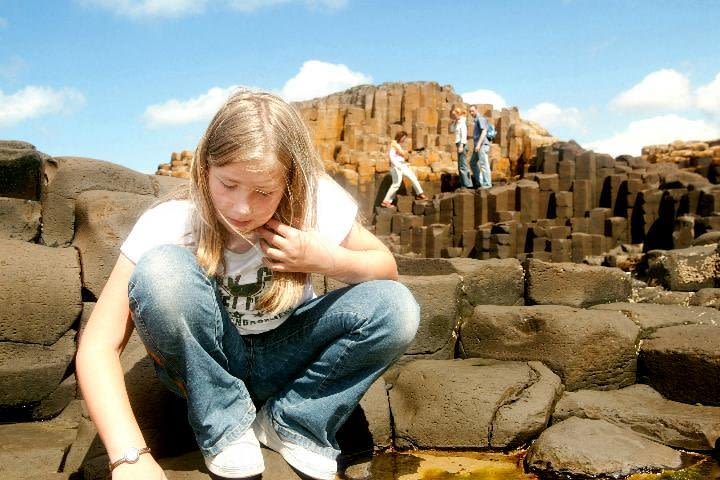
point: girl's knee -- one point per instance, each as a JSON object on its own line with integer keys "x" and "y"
{"x": 400, "y": 311}
{"x": 164, "y": 280}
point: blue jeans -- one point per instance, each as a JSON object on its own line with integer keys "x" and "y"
{"x": 463, "y": 171}
{"x": 310, "y": 372}
{"x": 483, "y": 174}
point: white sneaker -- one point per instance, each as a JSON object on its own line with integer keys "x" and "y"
{"x": 310, "y": 463}
{"x": 241, "y": 458}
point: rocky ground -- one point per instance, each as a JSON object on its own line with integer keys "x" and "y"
{"x": 592, "y": 370}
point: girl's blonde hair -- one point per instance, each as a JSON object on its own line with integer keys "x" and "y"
{"x": 459, "y": 110}
{"x": 255, "y": 127}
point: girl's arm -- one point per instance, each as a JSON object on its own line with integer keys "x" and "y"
{"x": 360, "y": 256}
{"x": 101, "y": 378}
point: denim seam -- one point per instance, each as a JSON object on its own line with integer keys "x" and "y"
{"x": 296, "y": 438}
{"x": 339, "y": 361}
{"x": 167, "y": 365}
{"x": 304, "y": 327}
{"x": 230, "y": 436}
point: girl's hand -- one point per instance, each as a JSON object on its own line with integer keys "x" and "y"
{"x": 145, "y": 468}
{"x": 288, "y": 249}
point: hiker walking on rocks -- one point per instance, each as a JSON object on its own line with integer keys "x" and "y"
{"x": 217, "y": 284}
{"x": 458, "y": 114}
{"x": 482, "y": 175}
{"x": 398, "y": 168}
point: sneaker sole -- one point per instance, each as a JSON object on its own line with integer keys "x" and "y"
{"x": 273, "y": 442}
{"x": 252, "y": 471}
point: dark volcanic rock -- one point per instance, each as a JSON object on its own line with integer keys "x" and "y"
{"x": 588, "y": 349}
{"x": 685, "y": 269}
{"x": 683, "y": 363}
{"x": 650, "y": 317}
{"x": 575, "y": 285}
{"x": 469, "y": 403}
{"x": 590, "y": 448}
{"x": 39, "y": 292}
{"x": 644, "y": 411}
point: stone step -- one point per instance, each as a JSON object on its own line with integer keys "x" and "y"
{"x": 473, "y": 403}
{"x": 590, "y": 448}
{"x": 587, "y": 349}
{"x": 683, "y": 363}
{"x": 646, "y": 412}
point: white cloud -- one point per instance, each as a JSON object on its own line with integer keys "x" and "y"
{"x": 35, "y": 101}
{"x": 707, "y": 97}
{"x": 652, "y": 131}
{"x": 252, "y": 5}
{"x": 550, "y": 115}
{"x": 481, "y": 96}
{"x": 149, "y": 8}
{"x": 181, "y": 112}
{"x": 317, "y": 79}
{"x": 662, "y": 90}
{"x": 137, "y": 9}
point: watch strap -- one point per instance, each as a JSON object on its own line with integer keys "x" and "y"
{"x": 125, "y": 459}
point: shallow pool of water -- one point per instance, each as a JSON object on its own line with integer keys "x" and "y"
{"x": 444, "y": 465}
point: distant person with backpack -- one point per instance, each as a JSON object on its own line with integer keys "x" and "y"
{"x": 483, "y": 134}
{"x": 398, "y": 168}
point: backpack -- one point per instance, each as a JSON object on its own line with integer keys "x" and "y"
{"x": 491, "y": 132}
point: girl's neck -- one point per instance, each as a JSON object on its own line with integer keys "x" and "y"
{"x": 240, "y": 244}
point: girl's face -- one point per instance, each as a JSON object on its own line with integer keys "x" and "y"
{"x": 245, "y": 195}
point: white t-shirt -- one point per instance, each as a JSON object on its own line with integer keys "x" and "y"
{"x": 396, "y": 160}
{"x": 245, "y": 276}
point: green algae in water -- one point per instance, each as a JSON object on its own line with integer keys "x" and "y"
{"x": 706, "y": 469}
{"x": 455, "y": 465}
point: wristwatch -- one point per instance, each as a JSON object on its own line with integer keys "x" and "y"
{"x": 130, "y": 455}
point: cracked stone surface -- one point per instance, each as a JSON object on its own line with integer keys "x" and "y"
{"x": 683, "y": 363}
{"x": 588, "y": 448}
{"x": 647, "y": 413}
{"x": 473, "y": 403}
{"x": 650, "y": 317}
{"x": 586, "y": 349}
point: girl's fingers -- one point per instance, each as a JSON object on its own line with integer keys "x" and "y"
{"x": 271, "y": 237}
{"x": 273, "y": 254}
{"x": 275, "y": 266}
{"x": 280, "y": 227}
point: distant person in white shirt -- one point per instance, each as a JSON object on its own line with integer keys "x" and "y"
{"x": 398, "y": 168}
{"x": 458, "y": 114}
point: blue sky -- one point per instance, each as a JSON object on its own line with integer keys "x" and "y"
{"x": 130, "y": 81}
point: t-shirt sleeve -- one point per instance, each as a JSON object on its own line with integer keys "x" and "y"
{"x": 167, "y": 223}
{"x": 336, "y": 210}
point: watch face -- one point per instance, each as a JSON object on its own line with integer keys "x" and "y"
{"x": 132, "y": 455}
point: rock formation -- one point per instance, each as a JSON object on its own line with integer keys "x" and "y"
{"x": 701, "y": 157}
{"x": 352, "y": 131}
{"x": 507, "y": 352}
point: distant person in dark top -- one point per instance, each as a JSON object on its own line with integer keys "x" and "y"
{"x": 482, "y": 173}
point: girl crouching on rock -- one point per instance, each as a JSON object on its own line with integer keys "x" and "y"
{"x": 218, "y": 287}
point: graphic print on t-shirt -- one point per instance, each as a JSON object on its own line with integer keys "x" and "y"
{"x": 239, "y": 294}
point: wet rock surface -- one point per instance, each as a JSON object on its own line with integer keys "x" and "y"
{"x": 589, "y": 448}
{"x": 644, "y": 411}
